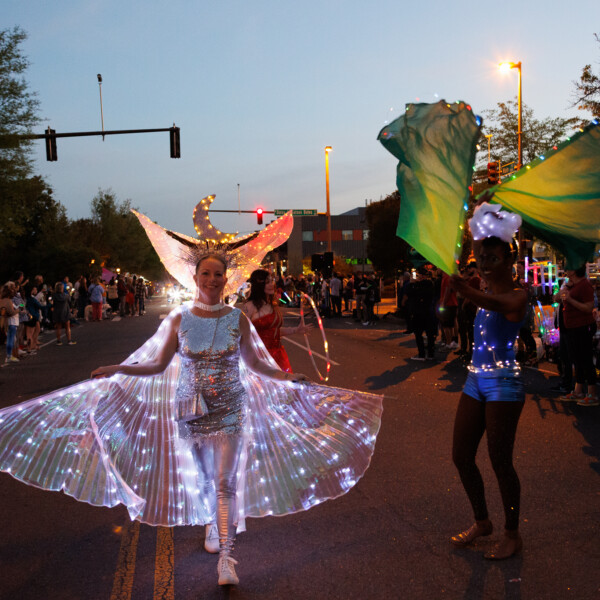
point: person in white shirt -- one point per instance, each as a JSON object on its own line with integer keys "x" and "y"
{"x": 335, "y": 291}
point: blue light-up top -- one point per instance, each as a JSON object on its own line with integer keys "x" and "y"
{"x": 493, "y": 343}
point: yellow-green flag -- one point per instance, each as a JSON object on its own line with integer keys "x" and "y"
{"x": 436, "y": 146}
{"x": 558, "y": 196}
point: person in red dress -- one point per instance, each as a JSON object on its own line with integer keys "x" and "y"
{"x": 262, "y": 309}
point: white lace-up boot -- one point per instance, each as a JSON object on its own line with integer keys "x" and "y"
{"x": 211, "y": 538}
{"x": 226, "y": 570}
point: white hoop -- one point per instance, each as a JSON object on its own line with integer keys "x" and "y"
{"x": 325, "y": 343}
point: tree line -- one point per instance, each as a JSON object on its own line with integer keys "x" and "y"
{"x": 36, "y": 235}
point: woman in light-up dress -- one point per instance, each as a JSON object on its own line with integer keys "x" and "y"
{"x": 198, "y": 426}
{"x": 261, "y": 308}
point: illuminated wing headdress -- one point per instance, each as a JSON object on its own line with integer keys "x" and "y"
{"x": 179, "y": 252}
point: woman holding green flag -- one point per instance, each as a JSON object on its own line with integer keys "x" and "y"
{"x": 493, "y": 396}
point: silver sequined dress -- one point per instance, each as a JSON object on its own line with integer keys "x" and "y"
{"x": 209, "y": 349}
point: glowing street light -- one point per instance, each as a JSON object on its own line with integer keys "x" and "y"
{"x": 505, "y": 67}
{"x": 489, "y": 139}
{"x": 327, "y": 151}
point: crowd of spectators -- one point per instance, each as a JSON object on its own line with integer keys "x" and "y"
{"x": 334, "y": 294}
{"x": 29, "y": 308}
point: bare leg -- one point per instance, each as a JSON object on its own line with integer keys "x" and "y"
{"x": 469, "y": 426}
{"x": 502, "y": 419}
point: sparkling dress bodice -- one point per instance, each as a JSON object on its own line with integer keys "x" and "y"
{"x": 209, "y": 349}
{"x": 493, "y": 341}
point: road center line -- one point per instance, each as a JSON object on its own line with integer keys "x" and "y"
{"x": 123, "y": 582}
{"x": 164, "y": 565}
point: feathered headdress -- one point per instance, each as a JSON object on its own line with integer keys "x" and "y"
{"x": 180, "y": 253}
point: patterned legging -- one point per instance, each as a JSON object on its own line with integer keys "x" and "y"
{"x": 218, "y": 457}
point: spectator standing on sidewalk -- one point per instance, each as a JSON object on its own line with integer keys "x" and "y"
{"x": 122, "y": 294}
{"x": 96, "y": 291}
{"x": 335, "y": 291}
{"x": 11, "y": 314}
{"x": 32, "y": 327}
{"x": 82, "y": 296}
{"x": 420, "y": 298}
{"x": 140, "y": 295}
{"x": 564, "y": 362}
{"x": 447, "y": 312}
{"x": 112, "y": 295}
{"x": 61, "y": 313}
{"x": 580, "y": 327}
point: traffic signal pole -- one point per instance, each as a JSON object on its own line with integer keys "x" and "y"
{"x": 50, "y": 136}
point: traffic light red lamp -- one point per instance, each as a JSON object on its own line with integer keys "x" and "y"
{"x": 493, "y": 173}
{"x": 259, "y": 216}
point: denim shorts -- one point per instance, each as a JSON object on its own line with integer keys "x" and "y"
{"x": 495, "y": 388}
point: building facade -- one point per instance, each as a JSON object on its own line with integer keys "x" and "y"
{"x": 349, "y": 234}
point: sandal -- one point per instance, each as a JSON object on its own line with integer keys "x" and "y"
{"x": 478, "y": 529}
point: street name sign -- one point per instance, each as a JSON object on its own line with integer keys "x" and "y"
{"x": 297, "y": 212}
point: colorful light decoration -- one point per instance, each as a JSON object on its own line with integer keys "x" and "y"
{"x": 172, "y": 247}
{"x": 204, "y": 228}
{"x": 325, "y": 343}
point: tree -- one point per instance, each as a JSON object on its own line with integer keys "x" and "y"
{"x": 119, "y": 238}
{"x": 18, "y": 108}
{"x": 537, "y": 136}
{"x": 385, "y": 249}
{"x": 587, "y": 89}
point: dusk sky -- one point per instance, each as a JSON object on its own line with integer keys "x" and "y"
{"x": 260, "y": 88}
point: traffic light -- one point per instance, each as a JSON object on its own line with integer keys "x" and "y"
{"x": 316, "y": 262}
{"x": 175, "y": 139}
{"x": 51, "y": 154}
{"x": 328, "y": 263}
{"x": 493, "y": 173}
{"x": 259, "y": 215}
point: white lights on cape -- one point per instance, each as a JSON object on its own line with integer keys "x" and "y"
{"x": 489, "y": 220}
{"x": 114, "y": 441}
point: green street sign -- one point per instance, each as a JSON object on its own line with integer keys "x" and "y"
{"x": 297, "y": 212}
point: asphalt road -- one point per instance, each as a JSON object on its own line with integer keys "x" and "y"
{"x": 386, "y": 538}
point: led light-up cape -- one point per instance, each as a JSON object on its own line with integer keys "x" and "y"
{"x": 114, "y": 441}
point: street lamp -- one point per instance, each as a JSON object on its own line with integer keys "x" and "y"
{"x": 327, "y": 151}
{"x": 99, "y": 76}
{"x": 489, "y": 139}
{"x": 505, "y": 67}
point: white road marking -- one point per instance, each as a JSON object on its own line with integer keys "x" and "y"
{"x": 287, "y": 339}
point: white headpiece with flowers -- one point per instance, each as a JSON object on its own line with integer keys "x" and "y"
{"x": 489, "y": 220}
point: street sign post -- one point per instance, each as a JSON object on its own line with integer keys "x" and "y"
{"x": 297, "y": 212}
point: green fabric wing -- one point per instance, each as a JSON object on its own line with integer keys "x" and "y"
{"x": 558, "y": 196}
{"x": 436, "y": 146}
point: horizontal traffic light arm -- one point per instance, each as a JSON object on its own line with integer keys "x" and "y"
{"x": 41, "y": 136}
{"x": 264, "y": 212}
